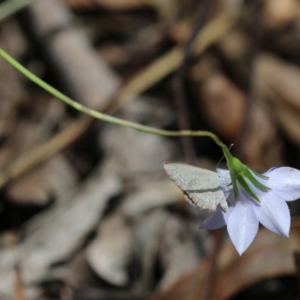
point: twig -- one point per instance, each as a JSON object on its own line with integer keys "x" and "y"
{"x": 256, "y": 35}
{"x": 44, "y": 151}
{"x": 170, "y": 62}
{"x": 211, "y": 268}
{"x": 178, "y": 81}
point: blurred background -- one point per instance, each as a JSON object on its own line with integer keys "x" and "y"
{"x": 86, "y": 210}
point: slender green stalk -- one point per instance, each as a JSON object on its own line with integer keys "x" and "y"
{"x": 99, "y": 115}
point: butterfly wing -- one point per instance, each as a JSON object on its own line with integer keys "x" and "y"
{"x": 207, "y": 192}
{"x": 202, "y": 188}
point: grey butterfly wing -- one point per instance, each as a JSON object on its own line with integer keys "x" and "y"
{"x": 207, "y": 192}
{"x": 202, "y": 188}
{"x": 182, "y": 174}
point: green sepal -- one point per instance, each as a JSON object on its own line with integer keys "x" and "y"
{"x": 259, "y": 175}
{"x": 234, "y": 184}
{"x": 244, "y": 184}
{"x": 234, "y": 166}
{"x": 238, "y": 173}
{"x": 253, "y": 180}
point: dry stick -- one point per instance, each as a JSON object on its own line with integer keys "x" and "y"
{"x": 169, "y": 62}
{"x": 178, "y": 81}
{"x": 142, "y": 81}
{"x": 256, "y": 35}
{"x": 18, "y": 293}
{"x": 206, "y": 293}
{"x": 183, "y": 117}
{"x": 44, "y": 151}
{"x": 218, "y": 235}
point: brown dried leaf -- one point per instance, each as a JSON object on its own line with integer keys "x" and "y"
{"x": 280, "y": 83}
{"x": 109, "y": 254}
{"x": 25, "y": 135}
{"x": 222, "y": 103}
{"x": 235, "y": 45}
{"x": 76, "y": 272}
{"x": 148, "y": 233}
{"x": 177, "y": 251}
{"x": 11, "y": 89}
{"x": 225, "y": 106}
{"x": 259, "y": 137}
{"x": 270, "y": 255}
{"x": 55, "y": 234}
{"x": 278, "y": 13}
{"x": 275, "y": 76}
{"x": 151, "y": 196}
{"x": 52, "y": 179}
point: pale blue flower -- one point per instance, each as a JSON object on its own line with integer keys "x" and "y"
{"x": 269, "y": 208}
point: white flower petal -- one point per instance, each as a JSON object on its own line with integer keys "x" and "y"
{"x": 284, "y": 182}
{"x": 215, "y": 221}
{"x": 242, "y": 224}
{"x": 244, "y": 214}
{"x": 274, "y": 214}
{"x": 223, "y": 172}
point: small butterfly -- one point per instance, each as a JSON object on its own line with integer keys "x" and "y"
{"x": 202, "y": 188}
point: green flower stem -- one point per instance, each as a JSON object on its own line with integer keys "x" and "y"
{"x": 98, "y": 115}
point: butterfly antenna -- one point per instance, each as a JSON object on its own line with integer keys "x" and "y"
{"x": 223, "y": 155}
{"x": 220, "y": 161}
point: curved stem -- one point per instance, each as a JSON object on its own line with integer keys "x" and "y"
{"x": 98, "y": 115}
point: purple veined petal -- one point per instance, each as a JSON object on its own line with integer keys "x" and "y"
{"x": 215, "y": 221}
{"x": 242, "y": 224}
{"x": 284, "y": 182}
{"x": 274, "y": 214}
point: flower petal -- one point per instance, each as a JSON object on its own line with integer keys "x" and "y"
{"x": 242, "y": 224}
{"x": 284, "y": 182}
{"x": 223, "y": 172}
{"x": 274, "y": 214}
{"x": 215, "y": 221}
